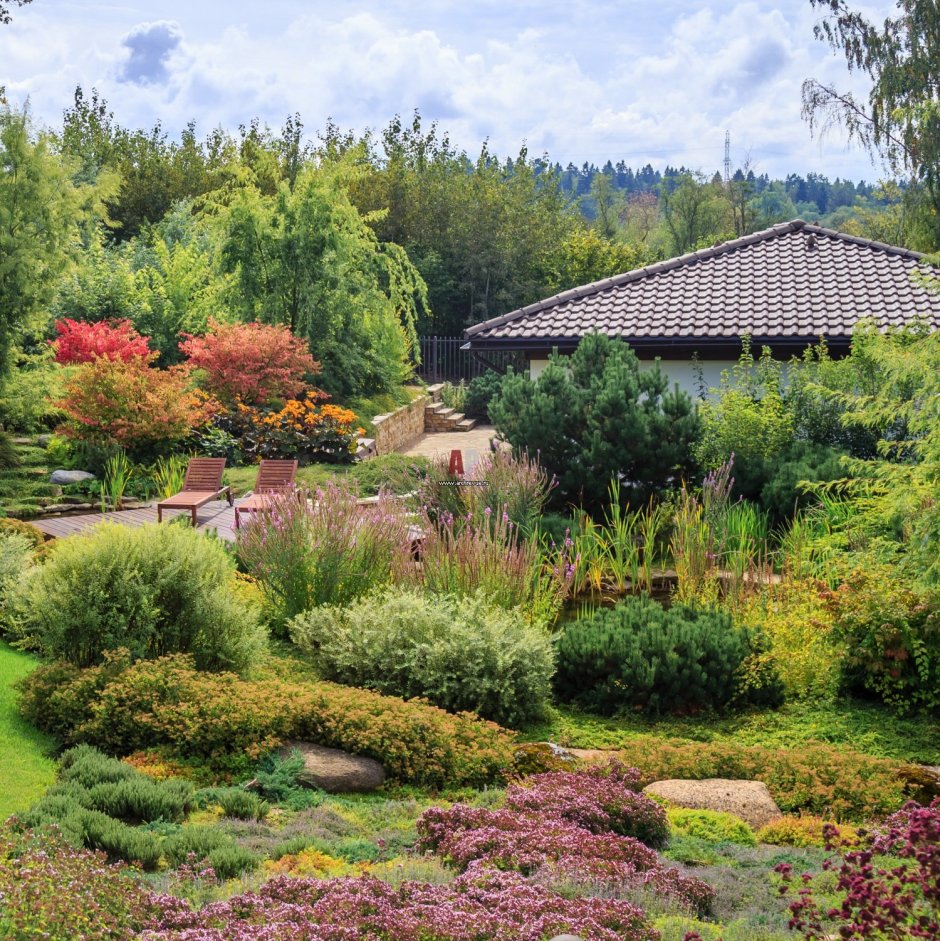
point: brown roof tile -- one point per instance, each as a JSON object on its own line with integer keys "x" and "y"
{"x": 771, "y": 284}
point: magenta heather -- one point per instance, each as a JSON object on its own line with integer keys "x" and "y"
{"x": 482, "y": 903}
{"x": 565, "y": 825}
{"x": 602, "y": 800}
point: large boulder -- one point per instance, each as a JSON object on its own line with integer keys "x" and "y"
{"x": 63, "y": 477}
{"x": 336, "y": 771}
{"x": 749, "y": 800}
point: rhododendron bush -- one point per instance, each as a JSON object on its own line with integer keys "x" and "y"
{"x": 309, "y": 429}
{"x": 131, "y": 404}
{"x": 250, "y": 362}
{"x": 82, "y": 342}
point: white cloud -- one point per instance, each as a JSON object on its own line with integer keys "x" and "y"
{"x": 588, "y": 80}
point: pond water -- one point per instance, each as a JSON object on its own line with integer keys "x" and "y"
{"x": 587, "y": 605}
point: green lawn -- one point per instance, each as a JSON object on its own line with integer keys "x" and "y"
{"x": 24, "y": 752}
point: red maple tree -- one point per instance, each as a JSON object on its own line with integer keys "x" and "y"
{"x": 250, "y": 362}
{"x": 81, "y": 342}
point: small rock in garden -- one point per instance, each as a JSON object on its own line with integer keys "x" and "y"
{"x": 594, "y": 756}
{"x": 70, "y": 476}
{"x": 336, "y": 771}
{"x": 922, "y": 781}
{"x": 43, "y": 441}
{"x": 749, "y": 800}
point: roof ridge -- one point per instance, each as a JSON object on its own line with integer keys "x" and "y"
{"x": 868, "y": 243}
{"x": 671, "y": 264}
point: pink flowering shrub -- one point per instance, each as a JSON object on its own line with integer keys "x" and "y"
{"x": 601, "y": 799}
{"x": 481, "y": 904}
{"x": 50, "y": 890}
{"x": 531, "y": 836}
{"x": 878, "y": 900}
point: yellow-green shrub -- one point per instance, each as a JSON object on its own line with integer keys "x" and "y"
{"x": 805, "y": 830}
{"x": 817, "y": 778}
{"x": 225, "y": 720}
{"x": 712, "y": 825}
{"x": 796, "y": 624}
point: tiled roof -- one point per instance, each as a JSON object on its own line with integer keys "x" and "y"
{"x": 791, "y": 282}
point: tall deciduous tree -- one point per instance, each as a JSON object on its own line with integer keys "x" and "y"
{"x": 5, "y": 6}
{"x": 694, "y": 211}
{"x": 305, "y": 258}
{"x": 900, "y": 122}
{"x": 41, "y": 210}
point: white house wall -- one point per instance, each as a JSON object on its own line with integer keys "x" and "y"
{"x": 685, "y": 372}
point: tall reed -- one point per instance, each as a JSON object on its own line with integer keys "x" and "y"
{"x": 322, "y": 547}
{"x": 118, "y": 473}
{"x": 493, "y": 558}
{"x": 654, "y": 523}
{"x": 693, "y": 551}
{"x": 621, "y": 551}
{"x": 168, "y": 475}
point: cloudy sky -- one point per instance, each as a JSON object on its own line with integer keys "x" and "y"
{"x": 584, "y": 80}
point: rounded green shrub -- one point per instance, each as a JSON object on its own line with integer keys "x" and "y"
{"x": 153, "y": 591}
{"x": 711, "y": 825}
{"x": 460, "y": 653}
{"x": 641, "y": 656}
{"x": 479, "y": 394}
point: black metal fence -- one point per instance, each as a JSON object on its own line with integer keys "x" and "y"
{"x": 443, "y": 360}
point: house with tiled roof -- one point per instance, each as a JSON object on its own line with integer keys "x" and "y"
{"x": 786, "y": 287}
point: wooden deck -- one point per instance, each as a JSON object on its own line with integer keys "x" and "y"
{"x": 217, "y": 515}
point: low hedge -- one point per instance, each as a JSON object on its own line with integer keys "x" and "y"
{"x": 838, "y": 783}
{"x": 226, "y": 721}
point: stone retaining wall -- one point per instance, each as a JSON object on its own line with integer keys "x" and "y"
{"x": 405, "y": 425}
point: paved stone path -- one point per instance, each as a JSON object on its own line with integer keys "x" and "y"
{"x": 473, "y": 443}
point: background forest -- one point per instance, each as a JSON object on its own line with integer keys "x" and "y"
{"x": 101, "y": 221}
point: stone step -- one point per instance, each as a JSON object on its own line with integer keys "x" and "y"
{"x": 365, "y": 448}
{"x": 466, "y": 424}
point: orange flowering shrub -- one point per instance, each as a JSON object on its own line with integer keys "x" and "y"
{"x": 309, "y": 429}
{"x": 130, "y": 403}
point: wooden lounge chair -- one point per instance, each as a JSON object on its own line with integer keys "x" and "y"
{"x": 274, "y": 478}
{"x": 202, "y": 485}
